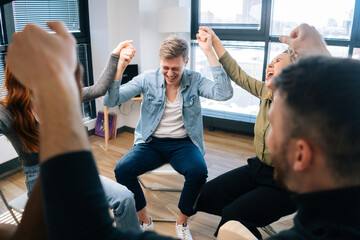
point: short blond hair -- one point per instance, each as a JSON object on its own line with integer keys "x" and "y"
{"x": 173, "y": 47}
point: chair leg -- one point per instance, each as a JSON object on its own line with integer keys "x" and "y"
{"x": 164, "y": 220}
{"x": 270, "y": 230}
{"x": 158, "y": 189}
{"x": 8, "y": 207}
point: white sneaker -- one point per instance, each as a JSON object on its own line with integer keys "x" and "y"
{"x": 183, "y": 231}
{"x": 147, "y": 227}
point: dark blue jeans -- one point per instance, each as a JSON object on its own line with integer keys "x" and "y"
{"x": 182, "y": 155}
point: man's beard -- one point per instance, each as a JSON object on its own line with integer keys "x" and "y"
{"x": 282, "y": 168}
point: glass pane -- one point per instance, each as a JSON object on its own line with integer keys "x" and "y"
{"x": 83, "y": 59}
{"x": 356, "y": 53}
{"x": 277, "y": 48}
{"x": 42, "y": 11}
{"x": 3, "y": 90}
{"x": 242, "y": 106}
{"x": 243, "y": 14}
{"x": 338, "y": 51}
{"x": 332, "y": 18}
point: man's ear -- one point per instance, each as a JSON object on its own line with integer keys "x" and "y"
{"x": 303, "y": 155}
{"x": 186, "y": 62}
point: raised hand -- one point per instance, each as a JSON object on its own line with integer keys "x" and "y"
{"x": 122, "y": 45}
{"x": 126, "y": 55}
{"x": 36, "y": 57}
{"x": 305, "y": 40}
{"x": 215, "y": 41}
{"x": 204, "y": 40}
{"x": 208, "y": 30}
{"x": 205, "y": 44}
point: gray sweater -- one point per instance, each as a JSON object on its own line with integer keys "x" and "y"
{"x": 89, "y": 93}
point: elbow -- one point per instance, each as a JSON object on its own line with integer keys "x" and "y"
{"x": 229, "y": 95}
{"x": 106, "y": 102}
{"x": 226, "y": 95}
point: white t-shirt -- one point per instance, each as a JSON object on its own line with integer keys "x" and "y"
{"x": 171, "y": 124}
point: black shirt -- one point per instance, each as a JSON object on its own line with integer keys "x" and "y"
{"x": 326, "y": 215}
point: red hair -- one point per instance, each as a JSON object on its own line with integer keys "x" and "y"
{"x": 18, "y": 102}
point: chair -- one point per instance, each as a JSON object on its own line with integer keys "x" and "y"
{"x": 234, "y": 230}
{"x": 271, "y": 231}
{"x": 165, "y": 169}
{"x": 17, "y": 204}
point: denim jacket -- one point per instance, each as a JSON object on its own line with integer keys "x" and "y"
{"x": 152, "y": 86}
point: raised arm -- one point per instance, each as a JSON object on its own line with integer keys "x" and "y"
{"x": 232, "y": 68}
{"x": 220, "y": 88}
{"x": 205, "y": 44}
{"x": 117, "y": 93}
{"x": 216, "y": 42}
{"x": 107, "y": 76}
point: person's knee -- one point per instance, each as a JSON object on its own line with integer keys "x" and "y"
{"x": 127, "y": 203}
{"x": 240, "y": 214}
{"x": 197, "y": 174}
{"x": 122, "y": 173}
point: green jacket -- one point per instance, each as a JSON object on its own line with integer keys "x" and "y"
{"x": 258, "y": 89}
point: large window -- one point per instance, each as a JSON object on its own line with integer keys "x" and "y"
{"x": 334, "y": 21}
{"x": 249, "y": 30}
{"x": 243, "y": 14}
{"x": 74, "y": 13}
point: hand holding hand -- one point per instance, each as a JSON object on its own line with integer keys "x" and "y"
{"x": 126, "y": 55}
{"x": 122, "y": 45}
{"x": 306, "y": 40}
{"x": 37, "y": 57}
{"x": 208, "y": 30}
{"x": 205, "y": 41}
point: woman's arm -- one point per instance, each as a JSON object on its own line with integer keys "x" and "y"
{"x": 109, "y": 73}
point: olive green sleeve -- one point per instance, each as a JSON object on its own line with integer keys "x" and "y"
{"x": 234, "y": 71}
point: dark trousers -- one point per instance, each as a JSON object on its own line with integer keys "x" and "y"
{"x": 183, "y": 156}
{"x": 247, "y": 194}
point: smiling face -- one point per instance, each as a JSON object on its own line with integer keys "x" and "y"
{"x": 274, "y": 68}
{"x": 172, "y": 69}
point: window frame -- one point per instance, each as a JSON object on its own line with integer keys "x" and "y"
{"x": 234, "y": 34}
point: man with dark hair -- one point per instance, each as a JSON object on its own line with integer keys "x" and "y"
{"x": 315, "y": 141}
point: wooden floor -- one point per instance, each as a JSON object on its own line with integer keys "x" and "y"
{"x": 225, "y": 151}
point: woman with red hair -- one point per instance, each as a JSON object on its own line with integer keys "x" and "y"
{"x": 19, "y": 122}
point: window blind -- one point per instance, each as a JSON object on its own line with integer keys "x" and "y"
{"x": 2, "y": 75}
{"x": 42, "y": 11}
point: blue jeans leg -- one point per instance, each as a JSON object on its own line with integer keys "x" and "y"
{"x": 140, "y": 159}
{"x": 31, "y": 174}
{"x": 122, "y": 202}
{"x": 188, "y": 161}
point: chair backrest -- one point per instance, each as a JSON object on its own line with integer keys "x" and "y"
{"x": 165, "y": 169}
{"x": 17, "y": 204}
{"x": 234, "y": 230}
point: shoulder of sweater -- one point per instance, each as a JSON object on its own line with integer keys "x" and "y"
{"x": 5, "y": 118}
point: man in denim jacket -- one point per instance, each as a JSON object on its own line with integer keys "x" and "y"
{"x": 170, "y": 129}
